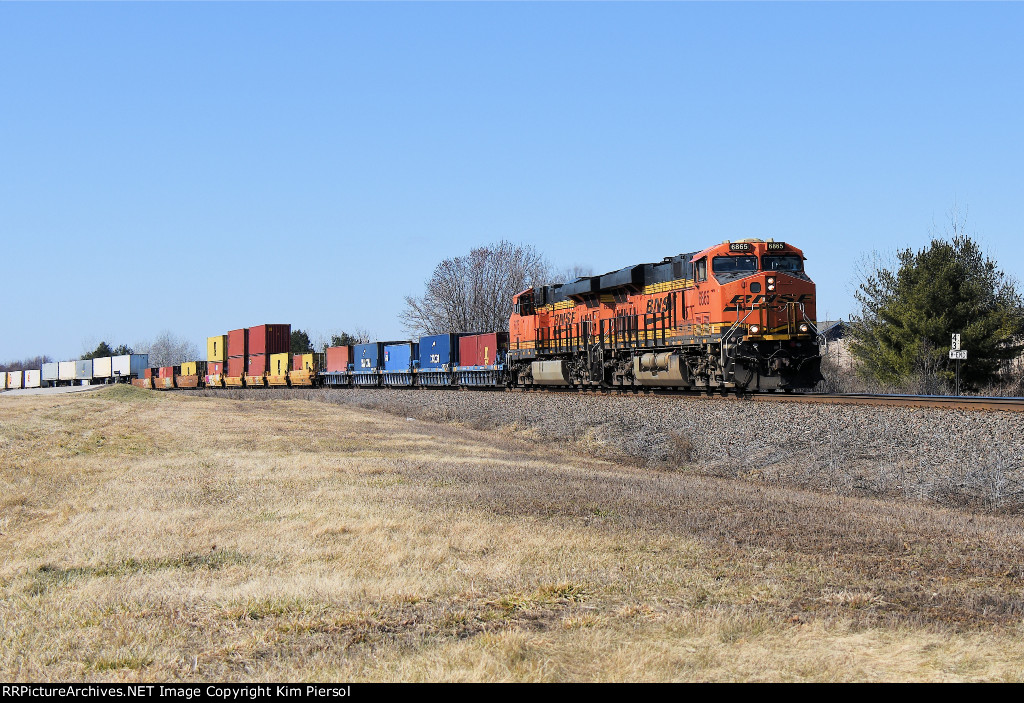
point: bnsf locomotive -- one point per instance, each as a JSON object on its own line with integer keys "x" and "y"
{"x": 739, "y": 315}
{"x": 736, "y": 316}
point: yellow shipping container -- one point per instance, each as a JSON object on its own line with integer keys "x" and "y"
{"x": 188, "y": 368}
{"x": 278, "y": 364}
{"x": 307, "y": 362}
{"x": 215, "y": 348}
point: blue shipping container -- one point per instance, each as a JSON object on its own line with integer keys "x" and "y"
{"x": 399, "y": 356}
{"x": 366, "y": 358}
{"x": 439, "y": 352}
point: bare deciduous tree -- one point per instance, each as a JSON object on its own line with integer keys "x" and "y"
{"x": 167, "y": 350}
{"x": 473, "y": 293}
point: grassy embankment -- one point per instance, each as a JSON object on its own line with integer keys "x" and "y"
{"x": 165, "y": 537}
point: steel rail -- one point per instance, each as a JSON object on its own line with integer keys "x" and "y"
{"x": 907, "y": 401}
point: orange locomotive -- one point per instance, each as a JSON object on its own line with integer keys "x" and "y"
{"x": 739, "y": 315}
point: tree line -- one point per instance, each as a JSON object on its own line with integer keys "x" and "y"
{"x": 909, "y": 307}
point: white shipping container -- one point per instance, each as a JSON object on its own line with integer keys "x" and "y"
{"x": 33, "y": 378}
{"x": 66, "y": 370}
{"x": 50, "y": 371}
{"x": 3, "y": 380}
{"x": 14, "y": 379}
{"x": 129, "y": 365}
{"x": 101, "y": 367}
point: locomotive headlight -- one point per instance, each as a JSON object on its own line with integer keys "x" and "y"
{"x": 771, "y": 286}
{"x": 805, "y": 327}
{"x": 771, "y": 280}
{"x": 755, "y": 329}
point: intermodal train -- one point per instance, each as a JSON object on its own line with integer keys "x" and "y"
{"x": 737, "y": 316}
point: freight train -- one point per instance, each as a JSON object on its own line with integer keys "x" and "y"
{"x": 738, "y": 316}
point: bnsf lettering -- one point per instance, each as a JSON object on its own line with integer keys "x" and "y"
{"x": 746, "y": 301}
{"x": 659, "y": 304}
{"x": 563, "y": 319}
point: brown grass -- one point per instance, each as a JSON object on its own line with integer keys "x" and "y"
{"x": 160, "y": 537}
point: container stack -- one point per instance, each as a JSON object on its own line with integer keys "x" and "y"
{"x": 238, "y": 349}
{"x": 216, "y": 353}
{"x": 277, "y": 372}
{"x": 263, "y": 342}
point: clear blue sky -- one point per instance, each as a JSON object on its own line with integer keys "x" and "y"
{"x": 200, "y": 167}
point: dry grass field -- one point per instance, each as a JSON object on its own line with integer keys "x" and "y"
{"x": 162, "y": 537}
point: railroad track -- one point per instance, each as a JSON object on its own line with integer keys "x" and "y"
{"x": 906, "y": 401}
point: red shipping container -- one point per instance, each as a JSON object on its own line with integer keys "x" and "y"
{"x": 338, "y": 359}
{"x": 236, "y": 367}
{"x": 148, "y": 373}
{"x": 166, "y": 372}
{"x": 214, "y": 367}
{"x": 257, "y": 365}
{"x": 270, "y": 339}
{"x": 238, "y": 342}
{"x": 483, "y": 349}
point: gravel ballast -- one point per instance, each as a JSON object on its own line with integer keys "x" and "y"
{"x": 956, "y": 458}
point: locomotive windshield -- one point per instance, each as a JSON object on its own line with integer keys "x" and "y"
{"x": 733, "y": 264}
{"x": 783, "y": 263}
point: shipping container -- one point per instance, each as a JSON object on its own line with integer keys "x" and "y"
{"x": 216, "y": 348}
{"x": 3, "y": 380}
{"x": 277, "y": 369}
{"x": 270, "y": 339}
{"x": 191, "y": 374}
{"x": 214, "y": 374}
{"x": 336, "y": 366}
{"x": 366, "y": 363}
{"x": 129, "y": 365}
{"x": 305, "y": 369}
{"x": 33, "y": 378}
{"x": 439, "y": 355}
{"x": 305, "y": 362}
{"x": 193, "y": 368}
{"x": 50, "y": 372}
{"x": 338, "y": 359}
{"x": 279, "y": 364}
{"x": 66, "y": 370}
{"x": 14, "y": 379}
{"x": 483, "y": 349}
{"x": 256, "y": 369}
{"x": 400, "y": 358}
{"x": 256, "y": 364}
{"x": 167, "y": 371}
{"x": 83, "y": 370}
{"x": 482, "y": 359}
{"x": 439, "y": 352}
{"x": 101, "y": 368}
{"x": 236, "y": 367}
{"x": 149, "y": 373}
{"x": 238, "y": 343}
